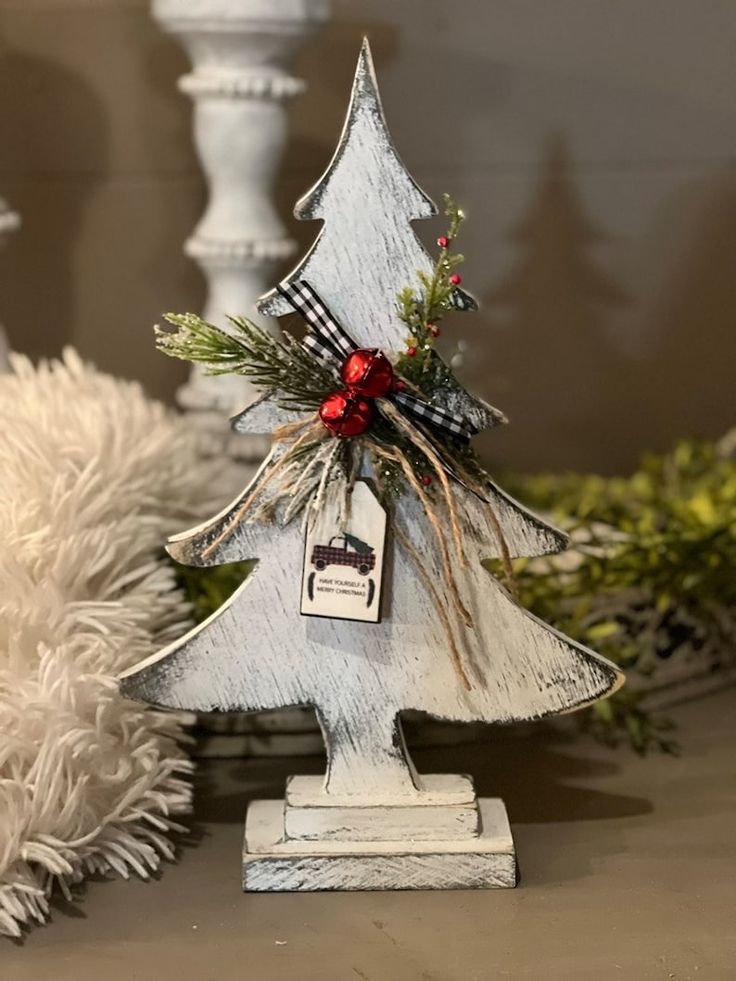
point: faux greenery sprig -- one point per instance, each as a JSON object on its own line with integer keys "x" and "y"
{"x": 284, "y": 366}
{"x": 298, "y": 381}
{"x": 651, "y": 574}
{"x": 422, "y": 310}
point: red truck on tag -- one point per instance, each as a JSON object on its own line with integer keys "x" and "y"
{"x": 353, "y": 552}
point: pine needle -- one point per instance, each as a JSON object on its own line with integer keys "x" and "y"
{"x": 283, "y": 365}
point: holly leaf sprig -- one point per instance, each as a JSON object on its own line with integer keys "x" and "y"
{"x": 423, "y": 310}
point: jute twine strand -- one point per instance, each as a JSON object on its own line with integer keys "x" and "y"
{"x": 434, "y": 522}
{"x": 314, "y": 431}
{"x": 418, "y": 439}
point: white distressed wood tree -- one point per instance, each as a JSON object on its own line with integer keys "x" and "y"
{"x": 258, "y": 652}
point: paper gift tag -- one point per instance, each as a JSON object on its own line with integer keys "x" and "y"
{"x": 343, "y": 561}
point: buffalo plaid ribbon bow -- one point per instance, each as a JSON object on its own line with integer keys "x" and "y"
{"x": 330, "y": 343}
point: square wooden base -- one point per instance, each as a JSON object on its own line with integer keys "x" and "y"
{"x": 272, "y": 864}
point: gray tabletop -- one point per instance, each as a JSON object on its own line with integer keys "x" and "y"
{"x": 627, "y": 871}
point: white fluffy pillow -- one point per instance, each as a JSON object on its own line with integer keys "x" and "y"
{"x": 93, "y": 477}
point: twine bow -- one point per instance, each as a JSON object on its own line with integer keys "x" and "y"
{"x": 330, "y": 343}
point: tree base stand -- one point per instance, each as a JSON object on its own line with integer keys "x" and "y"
{"x": 444, "y": 839}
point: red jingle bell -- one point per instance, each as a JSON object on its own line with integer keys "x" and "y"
{"x": 346, "y": 414}
{"x": 369, "y": 373}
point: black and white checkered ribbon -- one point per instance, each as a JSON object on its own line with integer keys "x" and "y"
{"x": 331, "y": 344}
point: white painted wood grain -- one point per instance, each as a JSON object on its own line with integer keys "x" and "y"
{"x": 272, "y": 864}
{"x": 438, "y": 789}
{"x": 257, "y": 652}
{"x": 397, "y": 823}
{"x": 445, "y": 808}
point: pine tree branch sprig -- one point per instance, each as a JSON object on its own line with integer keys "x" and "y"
{"x": 282, "y": 366}
{"x": 197, "y": 341}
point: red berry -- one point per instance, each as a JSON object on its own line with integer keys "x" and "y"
{"x": 368, "y": 372}
{"x": 456, "y": 279}
{"x": 443, "y": 241}
{"x": 411, "y": 351}
{"x": 426, "y": 479}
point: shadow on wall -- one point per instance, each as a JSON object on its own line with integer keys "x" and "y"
{"x": 169, "y": 279}
{"x": 100, "y": 164}
{"x": 687, "y": 372}
{"x": 553, "y": 364}
{"x": 550, "y": 346}
{"x": 53, "y": 152}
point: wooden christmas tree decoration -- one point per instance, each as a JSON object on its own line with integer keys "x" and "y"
{"x": 387, "y": 606}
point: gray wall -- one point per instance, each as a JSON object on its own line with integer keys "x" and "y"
{"x": 591, "y": 142}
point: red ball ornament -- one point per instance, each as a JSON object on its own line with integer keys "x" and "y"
{"x": 426, "y": 479}
{"x": 443, "y": 241}
{"x": 433, "y": 330}
{"x": 411, "y": 351}
{"x": 346, "y": 414}
{"x": 369, "y": 373}
{"x": 456, "y": 279}
{"x": 399, "y": 385}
